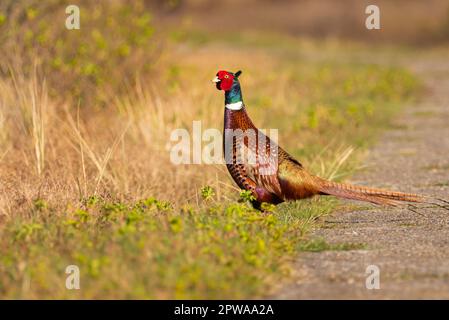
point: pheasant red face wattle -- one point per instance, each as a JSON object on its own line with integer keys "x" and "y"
{"x": 224, "y": 80}
{"x": 283, "y": 178}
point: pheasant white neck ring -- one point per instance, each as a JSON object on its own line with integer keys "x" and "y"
{"x": 234, "y": 106}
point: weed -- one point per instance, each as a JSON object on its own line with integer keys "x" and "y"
{"x": 319, "y": 244}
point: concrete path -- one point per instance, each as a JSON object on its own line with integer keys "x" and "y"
{"x": 410, "y": 250}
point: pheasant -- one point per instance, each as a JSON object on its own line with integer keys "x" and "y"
{"x": 274, "y": 176}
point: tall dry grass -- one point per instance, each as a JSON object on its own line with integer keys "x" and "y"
{"x": 93, "y": 116}
{"x": 89, "y": 116}
{"x": 64, "y": 153}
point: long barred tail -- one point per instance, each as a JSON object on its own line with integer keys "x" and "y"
{"x": 373, "y": 195}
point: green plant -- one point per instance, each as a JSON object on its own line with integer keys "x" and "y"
{"x": 320, "y": 244}
{"x": 85, "y": 64}
{"x": 247, "y": 195}
{"x": 207, "y": 193}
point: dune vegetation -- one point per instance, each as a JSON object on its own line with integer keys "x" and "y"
{"x": 85, "y": 172}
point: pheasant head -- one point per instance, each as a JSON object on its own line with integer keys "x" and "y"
{"x": 229, "y": 83}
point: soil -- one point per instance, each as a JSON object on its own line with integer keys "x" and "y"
{"x": 411, "y": 250}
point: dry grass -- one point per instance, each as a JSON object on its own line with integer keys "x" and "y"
{"x": 81, "y": 175}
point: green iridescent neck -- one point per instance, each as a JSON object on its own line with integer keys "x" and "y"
{"x": 235, "y": 94}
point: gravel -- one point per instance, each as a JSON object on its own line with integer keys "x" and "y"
{"x": 411, "y": 250}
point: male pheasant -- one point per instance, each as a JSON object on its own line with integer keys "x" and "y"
{"x": 273, "y": 175}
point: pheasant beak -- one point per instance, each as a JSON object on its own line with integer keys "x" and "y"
{"x": 216, "y": 80}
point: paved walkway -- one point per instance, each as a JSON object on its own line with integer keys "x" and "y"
{"x": 411, "y": 251}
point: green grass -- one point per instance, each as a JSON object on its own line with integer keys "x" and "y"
{"x": 211, "y": 248}
{"x": 320, "y": 244}
{"x": 148, "y": 250}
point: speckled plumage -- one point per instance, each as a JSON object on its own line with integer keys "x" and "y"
{"x": 287, "y": 179}
{"x": 275, "y": 176}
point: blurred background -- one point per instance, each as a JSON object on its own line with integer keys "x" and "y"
{"x": 86, "y": 116}
{"x": 409, "y": 22}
